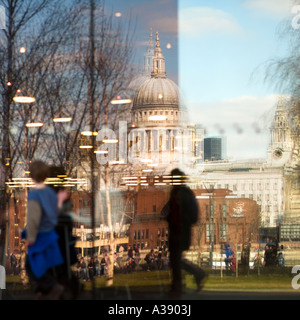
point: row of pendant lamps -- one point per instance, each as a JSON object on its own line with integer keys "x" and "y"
{"x": 23, "y": 98}
{"x": 26, "y": 98}
{"x": 20, "y": 98}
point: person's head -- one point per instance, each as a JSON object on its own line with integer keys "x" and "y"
{"x": 39, "y": 171}
{"x": 178, "y": 176}
{"x": 177, "y": 172}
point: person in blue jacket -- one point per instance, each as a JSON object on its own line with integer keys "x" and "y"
{"x": 228, "y": 253}
{"x": 281, "y": 260}
{"x": 42, "y": 240}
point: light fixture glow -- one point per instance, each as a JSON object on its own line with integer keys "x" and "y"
{"x": 146, "y": 160}
{"x": 110, "y": 140}
{"x": 117, "y": 162}
{"x": 23, "y": 99}
{"x": 121, "y": 101}
{"x": 34, "y": 124}
{"x": 152, "y": 164}
{"x": 157, "y": 118}
{"x": 62, "y": 119}
{"x": 89, "y": 133}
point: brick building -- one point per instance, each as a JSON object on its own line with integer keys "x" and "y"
{"x": 148, "y": 229}
{"x": 222, "y": 217}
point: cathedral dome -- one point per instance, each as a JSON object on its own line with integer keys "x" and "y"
{"x": 158, "y": 101}
{"x": 158, "y": 92}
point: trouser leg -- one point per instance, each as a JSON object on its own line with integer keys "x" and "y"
{"x": 175, "y": 257}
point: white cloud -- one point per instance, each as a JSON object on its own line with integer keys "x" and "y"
{"x": 244, "y": 110}
{"x": 276, "y": 8}
{"x": 199, "y": 21}
{"x": 244, "y": 120}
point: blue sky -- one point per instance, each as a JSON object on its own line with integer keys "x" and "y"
{"x": 223, "y": 46}
{"x": 217, "y": 56}
{"x": 227, "y": 47}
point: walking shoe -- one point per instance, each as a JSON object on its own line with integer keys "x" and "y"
{"x": 200, "y": 280}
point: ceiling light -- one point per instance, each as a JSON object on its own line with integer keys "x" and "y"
{"x": 121, "y": 101}
{"x": 34, "y": 124}
{"x": 89, "y": 133}
{"x": 110, "y": 140}
{"x": 23, "y": 97}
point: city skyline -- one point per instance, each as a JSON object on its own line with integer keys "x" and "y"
{"x": 217, "y": 54}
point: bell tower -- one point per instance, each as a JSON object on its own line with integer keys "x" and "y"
{"x": 280, "y": 149}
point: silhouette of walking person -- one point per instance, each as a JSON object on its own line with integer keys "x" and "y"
{"x": 181, "y": 212}
{"x": 42, "y": 239}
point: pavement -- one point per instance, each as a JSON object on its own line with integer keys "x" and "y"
{"x": 133, "y": 302}
{"x": 155, "y": 293}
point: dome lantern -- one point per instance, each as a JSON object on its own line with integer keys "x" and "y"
{"x": 158, "y": 61}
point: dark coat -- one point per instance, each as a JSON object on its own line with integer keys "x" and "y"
{"x": 181, "y": 212}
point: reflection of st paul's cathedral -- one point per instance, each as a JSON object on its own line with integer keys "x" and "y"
{"x": 155, "y": 136}
{"x": 153, "y": 130}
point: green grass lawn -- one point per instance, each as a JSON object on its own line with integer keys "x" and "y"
{"x": 271, "y": 281}
{"x": 253, "y": 282}
{"x": 244, "y": 283}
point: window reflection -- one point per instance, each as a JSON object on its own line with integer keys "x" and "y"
{"x": 162, "y": 110}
